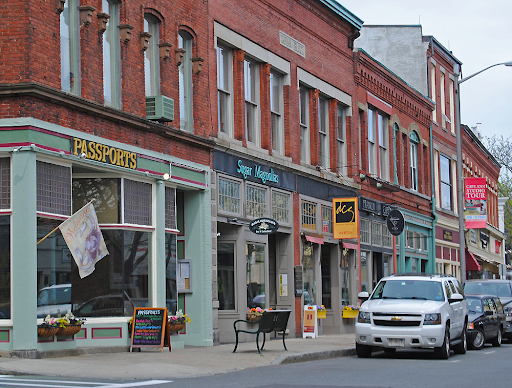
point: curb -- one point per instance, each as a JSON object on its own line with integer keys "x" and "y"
{"x": 313, "y": 356}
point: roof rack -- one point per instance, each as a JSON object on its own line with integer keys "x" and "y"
{"x": 442, "y": 275}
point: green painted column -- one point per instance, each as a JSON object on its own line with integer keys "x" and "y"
{"x": 24, "y": 251}
{"x": 157, "y": 266}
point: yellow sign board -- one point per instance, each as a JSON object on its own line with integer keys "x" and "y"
{"x": 345, "y": 218}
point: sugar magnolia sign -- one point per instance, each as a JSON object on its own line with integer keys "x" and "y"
{"x": 475, "y": 212}
{"x": 346, "y": 218}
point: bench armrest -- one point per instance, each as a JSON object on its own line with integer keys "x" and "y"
{"x": 240, "y": 320}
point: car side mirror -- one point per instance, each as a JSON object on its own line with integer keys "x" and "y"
{"x": 455, "y": 298}
{"x": 363, "y": 295}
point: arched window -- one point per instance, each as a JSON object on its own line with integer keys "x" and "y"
{"x": 151, "y": 57}
{"x": 414, "y": 160}
{"x": 70, "y": 48}
{"x": 186, "y": 101}
{"x": 111, "y": 56}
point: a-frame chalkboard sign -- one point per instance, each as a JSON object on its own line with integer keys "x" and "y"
{"x": 148, "y": 328}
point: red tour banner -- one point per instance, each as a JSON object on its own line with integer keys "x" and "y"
{"x": 475, "y": 212}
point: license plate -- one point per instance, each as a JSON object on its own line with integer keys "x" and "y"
{"x": 396, "y": 342}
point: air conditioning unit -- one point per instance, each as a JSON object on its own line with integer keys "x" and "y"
{"x": 159, "y": 108}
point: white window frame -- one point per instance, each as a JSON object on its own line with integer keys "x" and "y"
{"x": 185, "y": 41}
{"x": 276, "y": 109}
{"x": 152, "y": 57}
{"x": 265, "y": 190}
{"x": 252, "y": 98}
{"x": 378, "y": 143}
{"x": 241, "y": 197}
{"x": 288, "y": 206}
{"x": 414, "y": 160}
{"x": 314, "y": 205}
{"x": 341, "y": 136}
{"x": 225, "y": 89}
{"x": 365, "y": 232}
{"x": 445, "y": 183}
{"x": 452, "y": 105}
{"x": 323, "y": 131}
{"x": 111, "y": 56}
{"x": 433, "y": 90}
{"x": 305, "y": 152}
{"x": 70, "y": 48}
{"x": 443, "y": 102}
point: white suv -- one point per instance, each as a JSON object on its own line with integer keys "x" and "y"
{"x": 413, "y": 311}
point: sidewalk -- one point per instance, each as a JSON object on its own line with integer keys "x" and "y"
{"x": 181, "y": 363}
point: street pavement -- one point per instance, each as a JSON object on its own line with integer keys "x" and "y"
{"x": 182, "y": 363}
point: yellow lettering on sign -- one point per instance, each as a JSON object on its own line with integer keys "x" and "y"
{"x": 77, "y": 145}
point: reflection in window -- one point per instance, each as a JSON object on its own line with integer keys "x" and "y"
{"x": 364, "y": 275}
{"x": 106, "y": 193}
{"x": 251, "y": 75}
{"x": 226, "y": 275}
{"x": 152, "y": 57}
{"x": 255, "y": 202}
{"x": 280, "y": 210}
{"x": 308, "y": 274}
{"x": 446, "y": 186}
{"x": 229, "y": 196}
{"x": 276, "y": 96}
{"x": 224, "y": 87}
{"x": 255, "y": 267}
{"x": 185, "y": 81}
{"x": 308, "y": 215}
{"x": 325, "y": 265}
{"x": 69, "y": 47}
{"x": 5, "y": 267}
{"x": 111, "y": 73}
{"x": 304, "y": 124}
{"x": 171, "y": 287}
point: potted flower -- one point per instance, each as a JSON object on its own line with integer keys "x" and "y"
{"x": 350, "y": 311}
{"x": 48, "y": 328}
{"x": 69, "y": 324}
{"x": 254, "y": 314}
{"x": 321, "y": 312}
{"x": 177, "y": 322}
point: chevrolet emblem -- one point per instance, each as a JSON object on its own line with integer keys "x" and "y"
{"x": 396, "y": 319}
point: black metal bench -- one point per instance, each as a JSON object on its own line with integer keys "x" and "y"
{"x": 273, "y": 320}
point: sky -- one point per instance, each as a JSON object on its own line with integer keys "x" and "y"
{"x": 479, "y": 34}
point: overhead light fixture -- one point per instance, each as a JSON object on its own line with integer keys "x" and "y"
{"x": 166, "y": 176}
{"x": 379, "y": 185}
{"x": 82, "y": 155}
{"x": 362, "y": 176}
{"x": 16, "y": 150}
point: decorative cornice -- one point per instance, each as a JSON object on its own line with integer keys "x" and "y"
{"x": 94, "y": 109}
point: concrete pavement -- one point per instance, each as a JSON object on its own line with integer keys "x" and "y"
{"x": 182, "y": 363}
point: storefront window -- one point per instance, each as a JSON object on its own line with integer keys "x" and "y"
{"x": 229, "y": 196}
{"x": 226, "y": 275}
{"x": 308, "y": 274}
{"x": 345, "y": 278}
{"x": 280, "y": 207}
{"x": 376, "y": 233}
{"x": 308, "y": 213}
{"x": 5, "y": 267}
{"x": 364, "y": 275}
{"x": 118, "y": 283}
{"x": 255, "y": 264}
{"x": 325, "y": 265}
{"x": 326, "y": 219}
{"x": 387, "y": 238}
{"x": 171, "y": 290}
{"x": 255, "y": 202}
{"x": 5, "y": 183}
{"x": 365, "y": 231}
{"x": 106, "y": 193}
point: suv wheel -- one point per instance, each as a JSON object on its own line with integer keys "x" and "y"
{"x": 444, "y": 351}
{"x": 363, "y": 351}
{"x": 462, "y": 347}
{"x": 497, "y": 340}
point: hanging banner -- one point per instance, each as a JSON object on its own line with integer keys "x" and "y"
{"x": 475, "y": 205}
{"x": 346, "y": 218}
{"x": 84, "y": 239}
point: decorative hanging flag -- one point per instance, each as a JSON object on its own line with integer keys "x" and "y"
{"x": 84, "y": 239}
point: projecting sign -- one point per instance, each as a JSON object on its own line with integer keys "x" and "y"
{"x": 345, "y": 216}
{"x": 263, "y": 226}
{"x": 395, "y": 222}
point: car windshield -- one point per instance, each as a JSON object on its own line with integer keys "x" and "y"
{"x": 488, "y": 288}
{"x": 54, "y": 295}
{"x": 475, "y": 305}
{"x": 409, "y": 289}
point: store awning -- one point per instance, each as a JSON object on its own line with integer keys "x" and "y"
{"x": 471, "y": 263}
{"x": 349, "y": 245}
{"x": 490, "y": 261}
{"x": 316, "y": 240}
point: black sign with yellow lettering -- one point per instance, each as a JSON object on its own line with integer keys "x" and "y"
{"x": 346, "y": 218}
{"x": 104, "y": 154}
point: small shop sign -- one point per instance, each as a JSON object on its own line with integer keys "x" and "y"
{"x": 104, "y": 154}
{"x": 263, "y": 226}
{"x": 395, "y": 222}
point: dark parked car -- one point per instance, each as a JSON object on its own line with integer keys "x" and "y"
{"x": 485, "y": 320}
{"x": 500, "y": 288}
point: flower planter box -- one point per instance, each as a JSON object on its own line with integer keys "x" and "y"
{"x": 253, "y": 317}
{"x": 69, "y": 330}
{"x": 47, "y": 331}
{"x": 350, "y": 313}
{"x": 321, "y": 314}
{"x": 174, "y": 327}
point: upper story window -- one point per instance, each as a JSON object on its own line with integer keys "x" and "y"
{"x": 396, "y": 132}
{"x": 255, "y": 202}
{"x": 70, "y": 48}
{"x": 225, "y": 88}
{"x": 341, "y": 140}
{"x": 446, "y": 179}
{"x": 111, "y": 56}
{"x": 229, "y": 196}
{"x": 304, "y": 125}
{"x": 378, "y": 143}
{"x": 443, "y": 102}
{"x": 323, "y": 131}
{"x": 276, "y": 109}
{"x": 433, "y": 89}
{"x": 414, "y": 160}
{"x": 185, "y": 82}
{"x": 281, "y": 207}
{"x": 251, "y": 86}
{"x": 452, "y": 106}
{"x": 152, "y": 57}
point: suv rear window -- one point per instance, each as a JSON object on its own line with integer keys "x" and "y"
{"x": 488, "y": 288}
{"x": 409, "y": 289}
